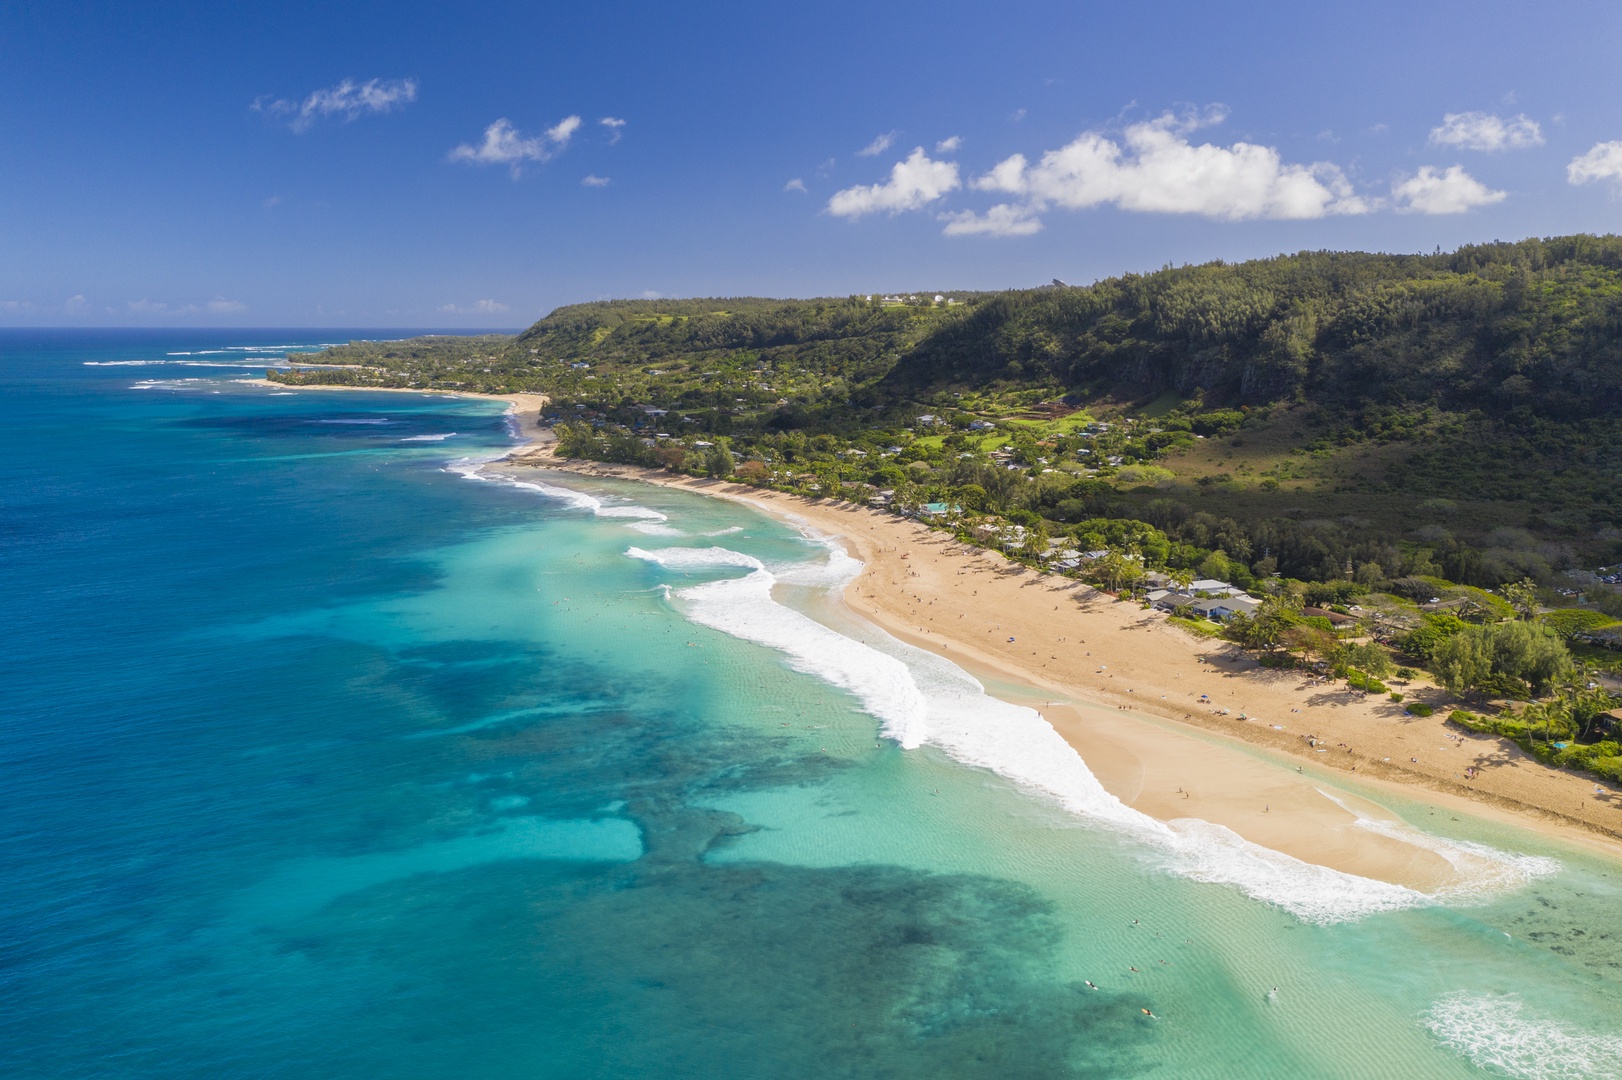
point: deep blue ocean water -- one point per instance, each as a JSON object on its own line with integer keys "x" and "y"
{"x": 319, "y": 758}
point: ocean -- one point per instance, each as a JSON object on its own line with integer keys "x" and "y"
{"x": 324, "y": 754}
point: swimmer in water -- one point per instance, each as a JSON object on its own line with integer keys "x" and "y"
{"x": 1150, "y": 1015}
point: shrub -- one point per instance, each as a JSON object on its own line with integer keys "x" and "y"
{"x": 1419, "y": 708}
{"x": 1395, "y": 696}
{"x": 1358, "y": 680}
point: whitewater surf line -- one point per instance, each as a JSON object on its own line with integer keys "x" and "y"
{"x": 923, "y": 699}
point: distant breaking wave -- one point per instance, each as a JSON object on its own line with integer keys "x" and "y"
{"x": 640, "y": 518}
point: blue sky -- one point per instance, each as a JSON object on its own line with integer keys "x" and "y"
{"x": 449, "y": 165}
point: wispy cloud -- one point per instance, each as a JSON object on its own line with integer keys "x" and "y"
{"x": 913, "y": 183}
{"x": 1486, "y": 131}
{"x": 614, "y": 125}
{"x": 796, "y": 184}
{"x": 593, "y": 180}
{"x": 949, "y": 145}
{"x": 14, "y": 307}
{"x": 1004, "y": 219}
{"x": 1446, "y": 191}
{"x": 504, "y": 145}
{"x": 349, "y": 100}
{"x": 144, "y": 306}
{"x": 878, "y": 146}
{"x": 478, "y": 307}
{"x": 1155, "y": 168}
{"x": 1603, "y": 161}
{"x": 75, "y": 304}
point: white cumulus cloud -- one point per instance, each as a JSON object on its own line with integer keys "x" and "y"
{"x": 878, "y": 146}
{"x": 1155, "y": 168}
{"x": 221, "y": 306}
{"x": 796, "y": 184}
{"x": 75, "y": 303}
{"x": 1602, "y": 162}
{"x": 949, "y": 145}
{"x": 1445, "y": 191}
{"x": 504, "y": 145}
{"x": 914, "y": 183}
{"x": 613, "y": 124}
{"x": 593, "y": 180}
{"x": 1485, "y": 131}
{"x": 1004, "y": 219}
{"x": 349, "y": 99}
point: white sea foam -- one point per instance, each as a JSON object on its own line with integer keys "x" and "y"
{"x": 1482, "y": 870}
{"x": 374, "y": 420}
{"x": 921, "y": 698}
{"x": 1495, "y": 1032}
{"x": 640, "y": 518}
{"x": 234, "y": 362}
{"x": 654, "y": 528}
{"x": 429, "y": 438}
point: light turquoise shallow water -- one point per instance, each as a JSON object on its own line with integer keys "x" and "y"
{"x": 323, "y": 759}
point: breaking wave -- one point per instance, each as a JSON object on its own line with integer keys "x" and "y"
{"x": 920, "y": 698}
{"x": 638, "y": 517}
{"x": 1494, "y": 1032}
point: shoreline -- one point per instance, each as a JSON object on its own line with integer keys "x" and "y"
{"x": 1148, "y": 741}
{"x": 525, "y": 409}
{"x": 1169, "y": 757}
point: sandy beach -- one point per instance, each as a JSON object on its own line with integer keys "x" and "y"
{"x": 1176, "y": 725}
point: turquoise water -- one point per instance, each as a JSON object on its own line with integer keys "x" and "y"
{"x": 320, "y": 757}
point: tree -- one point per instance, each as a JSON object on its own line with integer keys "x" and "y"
{"x": 1115, "y": 571}
{"x": 718, "y": 461}
{"x": 1523, "y": 597}
{"x": 1182, "y": 578}
{"x": 1311, "y": 642}
{"x": 1266, "y": 629}
{"x": 1463, "y": 661}
{"x": 1497, "y": 656}
{"x": 1529, "y": 652}
{"x": 1365, "y": 656}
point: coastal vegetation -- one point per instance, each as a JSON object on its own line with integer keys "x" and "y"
{"x": 1395, "y": 455}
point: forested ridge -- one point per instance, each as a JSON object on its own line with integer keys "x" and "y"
{"x": 1321, "y": 407}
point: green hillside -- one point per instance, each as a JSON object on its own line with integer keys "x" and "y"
{"x": 1452, "y": 414}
